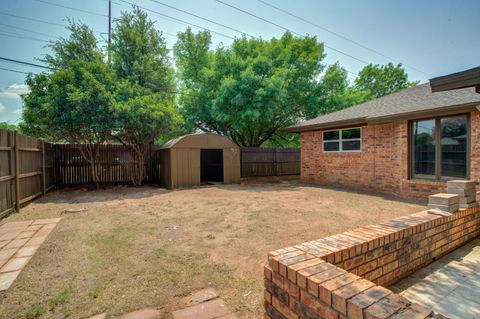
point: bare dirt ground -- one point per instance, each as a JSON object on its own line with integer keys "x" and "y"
{"x": 138, "y": 247}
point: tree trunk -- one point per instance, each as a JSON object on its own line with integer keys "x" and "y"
{"x": 90, "y": 154}
{"x": 139, "y": 152}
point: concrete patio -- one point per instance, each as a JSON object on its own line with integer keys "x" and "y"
{"x": 449, "y": 286}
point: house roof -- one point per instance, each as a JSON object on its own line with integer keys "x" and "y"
{"x": 457, "y": 80}
{"x": 418, "y": 101}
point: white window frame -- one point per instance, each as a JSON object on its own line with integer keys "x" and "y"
{"x": 340, "y": 140}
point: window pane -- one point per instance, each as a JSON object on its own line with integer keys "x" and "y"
{"x": 424, "y": 147}
{"x": 351, "y": 146}
{"x": 331, "y": 135}
{"x": 331, "y": 146}
{"x": 351, "y": 133}
{"x": 454, "y": 146}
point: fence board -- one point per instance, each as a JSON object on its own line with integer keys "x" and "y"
{"x": 260, "y": 161}
{"x": 24, "y": 173}
{"x": 115, "y": 165}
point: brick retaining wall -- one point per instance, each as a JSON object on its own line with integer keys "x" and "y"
{"x": 341, "y": 276}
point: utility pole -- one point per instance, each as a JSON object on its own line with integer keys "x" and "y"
{"x": 109, "y": 27}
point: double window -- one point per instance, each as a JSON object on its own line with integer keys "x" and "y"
{"x": 440, "y": 147}
{"x": 346, "y": 140}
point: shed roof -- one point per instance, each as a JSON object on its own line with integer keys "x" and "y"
{"x": 200, "y": 140}
{"x": 409, "y": 103}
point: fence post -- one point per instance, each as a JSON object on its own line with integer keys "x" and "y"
{"x": 44, "y": 190}
{"x": 17, "y": 172}
{"x": 275, "y": 162}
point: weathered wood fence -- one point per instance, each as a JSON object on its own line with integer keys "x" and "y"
{"x": 115, "y": 165}
{"x": 26, "y": 170}
{"x": 29, "y": 167}
{"x": 259, "y": 161}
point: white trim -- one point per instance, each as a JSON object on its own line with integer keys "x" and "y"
{"x": 340, "y": 140}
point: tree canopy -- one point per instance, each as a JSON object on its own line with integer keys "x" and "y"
{"x": 249, "y": 90}
{"x": 145, "y": 96}
{"x": 380, "y": 80}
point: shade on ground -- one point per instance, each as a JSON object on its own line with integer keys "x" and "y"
{"x": 449, "y": 286}
{"x": 18, "y": 243}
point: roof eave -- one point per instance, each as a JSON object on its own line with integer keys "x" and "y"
{"x": 460, "y": 80}
{"x": 324, "y": 126}
{"x": 450, "y": 110}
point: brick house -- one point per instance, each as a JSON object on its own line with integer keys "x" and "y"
{"x": 408, "y": 143}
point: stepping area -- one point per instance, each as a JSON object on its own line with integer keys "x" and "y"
{"x": 204, "y": 304}
{"x": 18, "y": 243}
{"x": 449, "y": 286}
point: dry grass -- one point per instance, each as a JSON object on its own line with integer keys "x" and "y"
{"x": 150, "y": 247}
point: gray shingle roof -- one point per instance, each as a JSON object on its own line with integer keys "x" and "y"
{"x": 418, "y": 100}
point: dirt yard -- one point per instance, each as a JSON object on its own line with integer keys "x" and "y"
{"x": 134, "y": 248}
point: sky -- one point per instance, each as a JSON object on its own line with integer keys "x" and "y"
{"x": 430, "y": 37}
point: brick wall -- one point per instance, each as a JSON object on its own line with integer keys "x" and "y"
{"x": 382, "y": 165}
{"x": 342, "y": 276}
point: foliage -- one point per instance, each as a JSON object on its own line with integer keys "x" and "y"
{"x": 335, "y": 93}
{"x": 73, "y": 102}
{"x": 145, "y": 96}
{"x": 380, "y": 80}
{"x": 250, "y": 90}
{"x": 9, "y": 126}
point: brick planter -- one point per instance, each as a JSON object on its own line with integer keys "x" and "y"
{"x": 341, "y": 276}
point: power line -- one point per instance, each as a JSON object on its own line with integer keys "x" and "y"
{"x": 202, "y": 18}
{"x": 21, "y": 36}
{"x": 71, "y": 8}
{"x": 26, "y": 30}
{"x": 179, "y": 20}
{"x": 40, "y": 21}
{"x": 340, "y": 36}
{"x": 25, "y": 63}
{"x": 11, "y": 70}
{"x": 287, "y": 29}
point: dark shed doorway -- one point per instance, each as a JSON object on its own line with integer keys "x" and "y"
{"x": 211, "y": 165}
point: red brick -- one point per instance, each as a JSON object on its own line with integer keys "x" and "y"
{"x": 341, "y": 295}
{"x": 357, "y": 304}
{"x": 284, "y": 309}
{"x": 292, "y": 269}
{"x": 326, "y": 288}
{"x": 386, "y": 307}
{"x": 382, "y": 164}
{"x": 315, "y": 280}
{"x": 303, "y": 274}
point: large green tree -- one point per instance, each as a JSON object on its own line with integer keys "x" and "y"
{"x": 249, "y": 90}
{"x": 380, "y": 80}
{"x": 145, "y": 96}
{"x": 74, "y": 101}
{"x": 335, "y": 93}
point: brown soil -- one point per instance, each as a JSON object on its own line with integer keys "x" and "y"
{"x": 139, "y": 247}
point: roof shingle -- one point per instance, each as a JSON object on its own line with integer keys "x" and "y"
{"x": 416, "y": 100}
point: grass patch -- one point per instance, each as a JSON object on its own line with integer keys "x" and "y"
{"x": 60, "y": 297}
{"x": 34, "y": 312}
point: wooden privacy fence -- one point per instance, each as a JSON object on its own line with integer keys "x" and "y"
{"x": 259, "y": 161}
{"x": 26, "y": 170}
{"x": 115, "y": 165}
{"x": 29, "y": 167}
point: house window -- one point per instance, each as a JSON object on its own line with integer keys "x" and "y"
{"x": 440, "y": 147}
{"x": 346, "y": 140}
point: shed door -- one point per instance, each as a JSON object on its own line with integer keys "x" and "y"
{"x": 211, "y": 165}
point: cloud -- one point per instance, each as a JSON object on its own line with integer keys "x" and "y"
{"x": 14, "y": 91}
{"x": 2, "y": 107}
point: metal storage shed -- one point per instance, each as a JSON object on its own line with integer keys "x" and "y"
{"x": 194, "y": 159}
